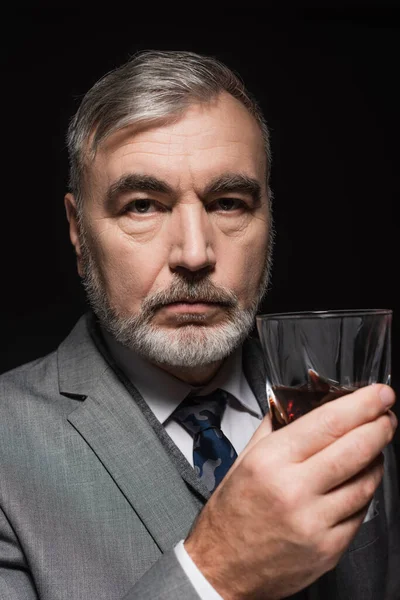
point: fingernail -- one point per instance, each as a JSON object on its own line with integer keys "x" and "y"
{"x": 387, "y": 396}
{"x": 393, "y": 418}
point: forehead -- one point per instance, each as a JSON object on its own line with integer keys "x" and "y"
{"x": 208, "y": 139}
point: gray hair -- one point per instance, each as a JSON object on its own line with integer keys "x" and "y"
{"x": 152, "y": 87}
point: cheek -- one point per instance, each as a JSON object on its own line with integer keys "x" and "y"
{"x": 128, "y": 270}
{"x": 244, "y": 262}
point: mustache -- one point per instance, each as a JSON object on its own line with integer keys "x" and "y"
{"x": 182, "y": 290}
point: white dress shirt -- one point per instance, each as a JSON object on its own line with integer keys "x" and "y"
{"x": 163, "y": 393}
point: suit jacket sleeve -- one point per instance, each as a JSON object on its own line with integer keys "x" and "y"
{"x": 15, "y": 580}
{"x": 165, "y": 580}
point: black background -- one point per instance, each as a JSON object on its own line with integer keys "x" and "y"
{"x": 327, "y": 80}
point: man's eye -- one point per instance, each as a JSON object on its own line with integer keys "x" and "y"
{"x": 228, "y": 204}
{"x": 141, "y": 206}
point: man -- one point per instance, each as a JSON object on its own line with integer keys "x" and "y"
{"x": 170, "y": 219}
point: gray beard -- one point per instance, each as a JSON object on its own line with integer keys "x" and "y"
{"x": 191, "y": 344}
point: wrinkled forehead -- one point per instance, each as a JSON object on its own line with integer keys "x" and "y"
{"x": 204, "y": 141}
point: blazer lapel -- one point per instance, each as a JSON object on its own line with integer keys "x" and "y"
{"x": 123, "y": 432}
{"x": 184, "y": 468}
{"x": 119, "y": 434}
{"x": 254, "y": 369}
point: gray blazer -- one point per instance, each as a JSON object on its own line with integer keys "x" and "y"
{"x": 94, "y": 494}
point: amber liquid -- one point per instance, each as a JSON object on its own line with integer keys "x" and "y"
{"x": 290, "y": 403}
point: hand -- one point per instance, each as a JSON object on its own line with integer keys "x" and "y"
{"x": 294, "y": 499}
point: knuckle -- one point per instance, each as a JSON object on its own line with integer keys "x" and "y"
{"x": 365, "y": 489}
{"x": 337, "y": 466}
{"x": 252, "y": 467}
{"x": 331, "y": 422}
{"x": 328, "y": 552}
{"x": 260, "y": 472}
{"x": 291, "y": 496}
{"x": 304, "y": 528}
{"x": 361, "y": 449}
{"x": 368, "y": 488}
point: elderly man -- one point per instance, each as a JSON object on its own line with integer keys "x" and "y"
{"x": 112, "y": 446}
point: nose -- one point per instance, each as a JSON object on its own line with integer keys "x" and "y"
{"x": 191, "y": 234}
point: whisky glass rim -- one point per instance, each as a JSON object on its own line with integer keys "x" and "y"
{"x": 326, "y": 314}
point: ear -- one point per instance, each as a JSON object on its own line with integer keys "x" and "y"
{"x": 72, "y": 216}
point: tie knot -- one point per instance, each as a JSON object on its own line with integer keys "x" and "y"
{"x": 199, "y": 413}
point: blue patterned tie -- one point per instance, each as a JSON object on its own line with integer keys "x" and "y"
{"x": 213, "y": 454}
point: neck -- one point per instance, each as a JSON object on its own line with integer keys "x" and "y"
{"x": 199, "y": 375}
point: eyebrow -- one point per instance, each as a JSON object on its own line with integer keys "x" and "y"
{"x": 234, "y": 183}
{"x": 227, "y": 183}
{"x": 136, "y": 183}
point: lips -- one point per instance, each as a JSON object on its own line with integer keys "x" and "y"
{"x": 196, "y": 301}
{"x": 185, "y": 311}
{"x": 191, "y": 303}
{"x": 194, "y": 307}
{"x": 185, "y": 301}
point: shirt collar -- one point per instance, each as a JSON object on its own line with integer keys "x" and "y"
{"x": 163, "y": 392}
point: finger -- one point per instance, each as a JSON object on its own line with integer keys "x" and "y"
{"x": 262, "y": 431}
{"x": 341, "y": 535}
{"x": 354, "y": 495}
{"x": 326, "y": 424}
{"x": 349, "y": 455}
